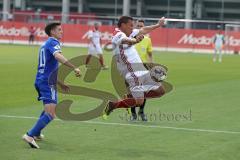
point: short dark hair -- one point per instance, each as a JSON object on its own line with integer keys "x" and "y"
{"x": 124, "y": 19}
{"x": 141, "y": 20}
{"x": 50, "y": 27}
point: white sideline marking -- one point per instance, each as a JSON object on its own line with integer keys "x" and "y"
{"x": 134, "y": 125}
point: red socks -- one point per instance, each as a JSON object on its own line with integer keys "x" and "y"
{"x": 125, "y": 103}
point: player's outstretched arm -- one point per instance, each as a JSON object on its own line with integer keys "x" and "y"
{"x": 60, "y": 58}
{"x": 147, "y": 29}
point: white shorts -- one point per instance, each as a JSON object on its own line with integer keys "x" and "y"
{"x": 137, "y": 77}
{"x": 94, "y": 50}
{"x": 140, "y": 85}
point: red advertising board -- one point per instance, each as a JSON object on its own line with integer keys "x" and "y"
{"x": 162, "y": 37}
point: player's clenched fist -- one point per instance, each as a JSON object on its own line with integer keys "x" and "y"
{"x": 162, "y": 21}
{"x": 77, "y": 72}
{"x": 139, "y": 38}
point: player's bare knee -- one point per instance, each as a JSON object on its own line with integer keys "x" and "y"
{"x": 50, "y": 109}
{"x": 51, "y": 113}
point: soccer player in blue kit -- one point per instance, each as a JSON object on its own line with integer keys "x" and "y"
{"x": 49, "y": 55}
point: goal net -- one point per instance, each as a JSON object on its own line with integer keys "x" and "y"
{"x": 231, "y": 41}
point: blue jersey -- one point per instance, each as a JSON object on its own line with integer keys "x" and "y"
{"x": 47, "y": 64}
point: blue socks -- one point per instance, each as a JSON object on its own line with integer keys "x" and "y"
{"x": 42, "y": 122}
{"x": 42, "y": 114}
{"x": 38, "y": 134}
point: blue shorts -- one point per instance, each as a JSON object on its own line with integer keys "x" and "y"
{"x": 46, "y": 93}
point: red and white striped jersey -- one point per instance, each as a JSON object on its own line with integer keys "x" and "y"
{"x": 128, "y": 60}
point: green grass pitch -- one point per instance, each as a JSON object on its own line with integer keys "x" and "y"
{"x": 205, "y": 93}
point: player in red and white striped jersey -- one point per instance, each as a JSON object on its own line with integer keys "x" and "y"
{"x": 131, "y": 66}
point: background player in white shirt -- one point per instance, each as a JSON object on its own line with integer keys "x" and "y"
{"x": 218, "y": 43}
{"x": 130, "y": 65}
{"x": 94, "y": 47}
